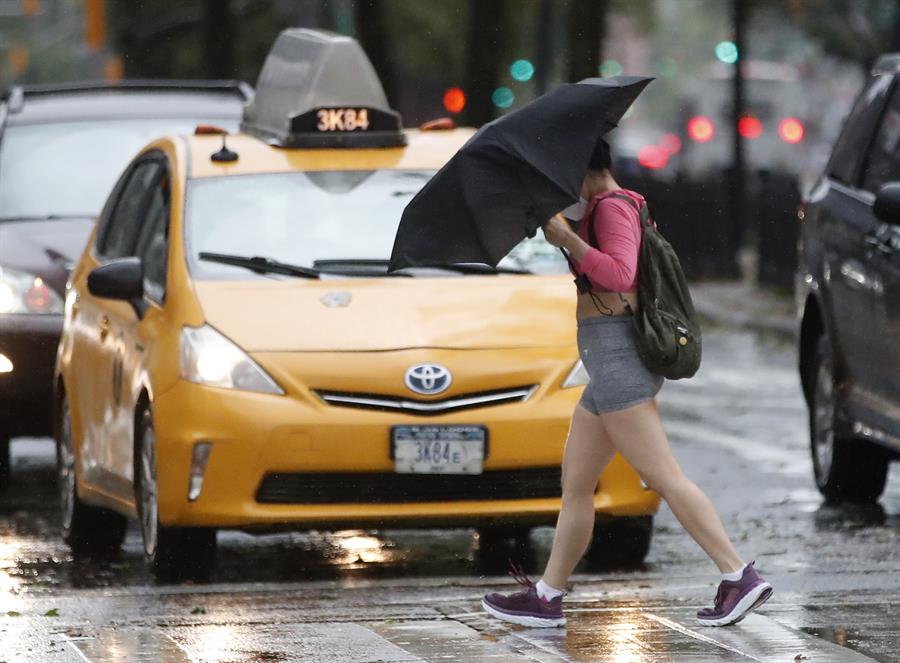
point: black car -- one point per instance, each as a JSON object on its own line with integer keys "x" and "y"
{"x": 61, "y": 149}
{"x": 848, "y": 287}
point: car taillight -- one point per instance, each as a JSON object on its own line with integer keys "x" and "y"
{"x": 38, "y": 297}
{"x": 750, "y": 127}
{"x": 791, "y": 130}
{"x": 700, "y": 128}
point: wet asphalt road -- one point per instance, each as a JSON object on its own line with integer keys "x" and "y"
{"x": 738, "y": 428}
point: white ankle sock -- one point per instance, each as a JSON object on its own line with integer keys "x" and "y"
{"x": 734, "y": 576}
{"x": 545, "y": 591}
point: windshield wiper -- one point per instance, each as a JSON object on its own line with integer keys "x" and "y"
{"x": 260, "y": 265}
{"x": 367, "y": 264}
{"x": 46, "y": 217}
{"x": 356, "y": 266}
{"x": 478, "y": 268}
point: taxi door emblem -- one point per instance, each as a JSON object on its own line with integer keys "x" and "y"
{"x": 336, "y": 299}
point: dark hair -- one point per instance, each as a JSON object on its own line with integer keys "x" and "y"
{"x": 601, "y": 159}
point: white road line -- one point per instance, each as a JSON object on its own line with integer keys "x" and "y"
{"x": 675, "y": 626}
{"x": 78, "y": 651}
{"x": 181, "y": 647}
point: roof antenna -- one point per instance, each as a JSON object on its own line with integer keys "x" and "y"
{"x": 224, "y": 154}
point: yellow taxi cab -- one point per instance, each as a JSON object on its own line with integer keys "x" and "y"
{"x": 235, "y": 353}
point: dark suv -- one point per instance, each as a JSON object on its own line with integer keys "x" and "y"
{"x": 848, "y": 293}
{"x": 61, "y": 149}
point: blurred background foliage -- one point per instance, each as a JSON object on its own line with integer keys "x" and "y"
{"x": 423, "y": 47}
{"x": 801, "y": 61}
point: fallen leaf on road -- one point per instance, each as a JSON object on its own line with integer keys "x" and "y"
{"x": 198, "y": 610}
{"x": 13, "y": 613}
{"x": 52, "y": 612}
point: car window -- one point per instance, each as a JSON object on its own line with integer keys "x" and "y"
{"x": 854, "y": 140}
{"x": 152, "y": 245}
{"x": 300, "y": 218}
{"x": 68, "y": 168}
{"x": 121, "y": 234}
{"x": 883, "y": 164}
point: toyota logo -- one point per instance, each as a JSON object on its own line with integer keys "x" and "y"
{"x": 428, "y": 379}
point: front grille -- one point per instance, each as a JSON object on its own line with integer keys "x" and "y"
{"x": 410, "y": 406}
{"x": 384, "y": 488}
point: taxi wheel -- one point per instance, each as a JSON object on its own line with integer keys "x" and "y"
{"x": 174, "y": 553}
{"x": 620, "y": 542}
{"x": 852, "y": 469}
{"x": 500, "y": 544}
{"x": 4, "y": 462}
{"x": 86, "y": 529}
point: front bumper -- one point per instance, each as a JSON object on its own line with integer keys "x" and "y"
{"x": 254, "y": 436}
{"x": 26, "y": 393}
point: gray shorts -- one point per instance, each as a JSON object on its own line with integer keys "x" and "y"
{"x": 618, "y": 377}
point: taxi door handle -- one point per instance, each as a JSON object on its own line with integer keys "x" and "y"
{"x": 104, "y": 327}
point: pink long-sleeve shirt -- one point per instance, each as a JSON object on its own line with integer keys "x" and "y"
{"x": 617, "y": 224}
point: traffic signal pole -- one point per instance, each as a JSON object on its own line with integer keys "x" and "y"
{"x": 737, "y": 175}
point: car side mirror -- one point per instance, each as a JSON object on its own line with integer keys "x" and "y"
{"x": 121, "y": 279}
{"x": 887, "y": 203}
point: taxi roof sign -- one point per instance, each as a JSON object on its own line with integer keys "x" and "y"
{"x": 319, "y": 89}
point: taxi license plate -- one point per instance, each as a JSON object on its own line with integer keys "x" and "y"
{"x": 438, "y": 449}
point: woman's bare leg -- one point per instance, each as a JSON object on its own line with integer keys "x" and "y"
{"x": 638, "y": 435}
{"x": 588, "y": 452}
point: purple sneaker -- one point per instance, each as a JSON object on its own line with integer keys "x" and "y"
{"x": 525, "y": 607}
{"x": 736, "y": 599}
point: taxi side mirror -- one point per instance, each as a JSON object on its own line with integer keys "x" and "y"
{"x": 887, "y": 203}
{"x": 121, "y": 279}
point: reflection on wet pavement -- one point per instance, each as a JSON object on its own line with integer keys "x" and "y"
{"x": 739, "y": 430}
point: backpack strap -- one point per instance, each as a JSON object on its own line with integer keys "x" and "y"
{"x": 643, "y": 210}
{"x": 643, "y": 213}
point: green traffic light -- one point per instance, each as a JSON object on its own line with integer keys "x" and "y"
{"x": 727, "y": 52}
{"x": 611, "y": 68}
{"x": 521, "y": 70}
{"x": 503, "y": 97}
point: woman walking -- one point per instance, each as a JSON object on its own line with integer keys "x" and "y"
{"x": 618, "y": 413}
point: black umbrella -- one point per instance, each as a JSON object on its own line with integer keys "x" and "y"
{"x": 511, "y": 176}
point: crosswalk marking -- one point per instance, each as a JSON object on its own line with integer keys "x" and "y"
{"x": 607, "y": 631}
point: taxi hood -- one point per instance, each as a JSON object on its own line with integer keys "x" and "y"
{"x": 470, "y": 312}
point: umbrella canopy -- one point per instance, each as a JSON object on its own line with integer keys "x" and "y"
{"x": 511, "y": 176}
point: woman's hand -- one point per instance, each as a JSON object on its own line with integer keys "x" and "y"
{"x": 558, "y": 232}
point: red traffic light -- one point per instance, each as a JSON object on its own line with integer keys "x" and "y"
{"x": 791, "y": 130}
{"x": 653, "y": 157}
{"x": 454, "y": 100}
{"x": 750, "y": 127}
{"x": 671, "y": 143}
{"x": 700, "y": 128}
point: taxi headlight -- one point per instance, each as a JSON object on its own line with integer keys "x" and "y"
{"x": 21, "y": 292}
{"x": 578, "y": 376}
{"x": 207, "y": 357}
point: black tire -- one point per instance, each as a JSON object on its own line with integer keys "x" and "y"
{"x": 500, "y": 544}
{"x": 173, "y": 553}
{"x": 86, "y": 529}
{"x": 4, "y": 462}
{"x": 845, "y": 468}
{"x": 621, "y": 542}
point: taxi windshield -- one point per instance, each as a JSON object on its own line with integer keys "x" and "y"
{"x": 311, "y": 219}
{"x": 37, "y": 177}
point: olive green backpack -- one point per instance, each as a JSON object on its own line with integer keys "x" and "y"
{"x": 668, "y": 334}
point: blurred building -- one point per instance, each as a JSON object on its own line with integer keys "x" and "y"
{"x": 55, "y": 40}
